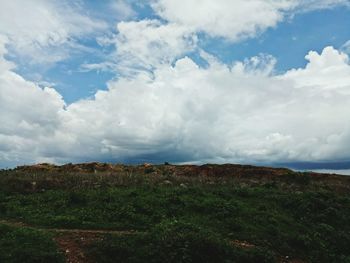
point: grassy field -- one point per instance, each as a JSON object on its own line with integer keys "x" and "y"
{"x": 175, "y": 219}
{"x": 23, "y": 244}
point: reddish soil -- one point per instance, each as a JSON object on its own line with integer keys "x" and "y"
{"x": 73, "y": 245}
{"x": 113, "y": 174}
{"x": 242, "y": 244}
{"x": 73, "y": 242}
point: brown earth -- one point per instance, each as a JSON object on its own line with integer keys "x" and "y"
{"x": 73, "y": 243}
{"x": 106, "y": 174}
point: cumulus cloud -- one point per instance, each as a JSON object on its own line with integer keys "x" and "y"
{"x": 238, "y": 19}
{"x": 44, "y": 31}
{"x": 242, "y": 112}
{"x": 147, "y": 44}
{"x": 29, "y": 114}
{"x": 183, "y": 112}
{"x": 326, "y": 71}
{"x": 233, "y": 113}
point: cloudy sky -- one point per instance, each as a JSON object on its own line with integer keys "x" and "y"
{"x": 243, "y": 81}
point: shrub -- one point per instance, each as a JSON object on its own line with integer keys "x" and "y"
{"x": 176, "y": 241}
{"x": 19, "y": 245}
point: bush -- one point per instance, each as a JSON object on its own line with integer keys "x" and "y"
{"x": 18, "y": 245}
{"x": 176, "y": 241}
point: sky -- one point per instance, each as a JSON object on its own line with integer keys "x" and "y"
{"x": 183, "y": 81}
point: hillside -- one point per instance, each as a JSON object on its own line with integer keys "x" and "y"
{"x": 98, "y": 212}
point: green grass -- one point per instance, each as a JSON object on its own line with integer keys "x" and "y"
{"x": 18, "y": 245}
{"x": 311, "y": 225}
{"x": 175, "y": 241}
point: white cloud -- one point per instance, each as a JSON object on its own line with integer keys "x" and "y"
{"x": 44, "y": 31}
{"x": 308, "y": 5}
{"x": 235, "y": 19}
{"x": 226, "y": 18}
{"x": 147, "y": 44}
{"x": 143, "y": 46}
{"x": 230, "y": 114}
{"x": 29, "y": 114}
{"x": 346, "y": 47}
{"x": 103, "y": 66}
{"x": 4, "y": 64}
{"x": 123, "y": 9}
{"x": 326, "y": 71}
{"x": 184, "y": 112}
{"x": 239, "y": 112}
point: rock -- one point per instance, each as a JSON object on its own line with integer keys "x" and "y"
{"x": 167, "y": 182}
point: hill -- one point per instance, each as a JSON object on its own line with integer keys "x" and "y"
{"x": 98, "y": 212}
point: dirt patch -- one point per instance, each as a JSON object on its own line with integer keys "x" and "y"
{"x": 73, "y": 245}
{"x": 288, "y": 259}
{"x": 68, "y": 230}
{"x": 281, "y": 259}
{"x": 73, "y": 242}
{"x": 242, "y": 244}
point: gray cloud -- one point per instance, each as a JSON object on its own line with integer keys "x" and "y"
{"x": 166, "y": 107}
{"x": 184, "y": 112}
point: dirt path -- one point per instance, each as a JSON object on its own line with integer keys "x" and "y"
{"x": 72, "y": 242}
{"x": 74, "y": 245}
{"x": 68, "y": 230}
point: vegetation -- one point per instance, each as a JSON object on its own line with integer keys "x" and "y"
{"x": 18, "y": 245}
{"x": 176, "y": 241}
{"x": 180, "y": 219}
